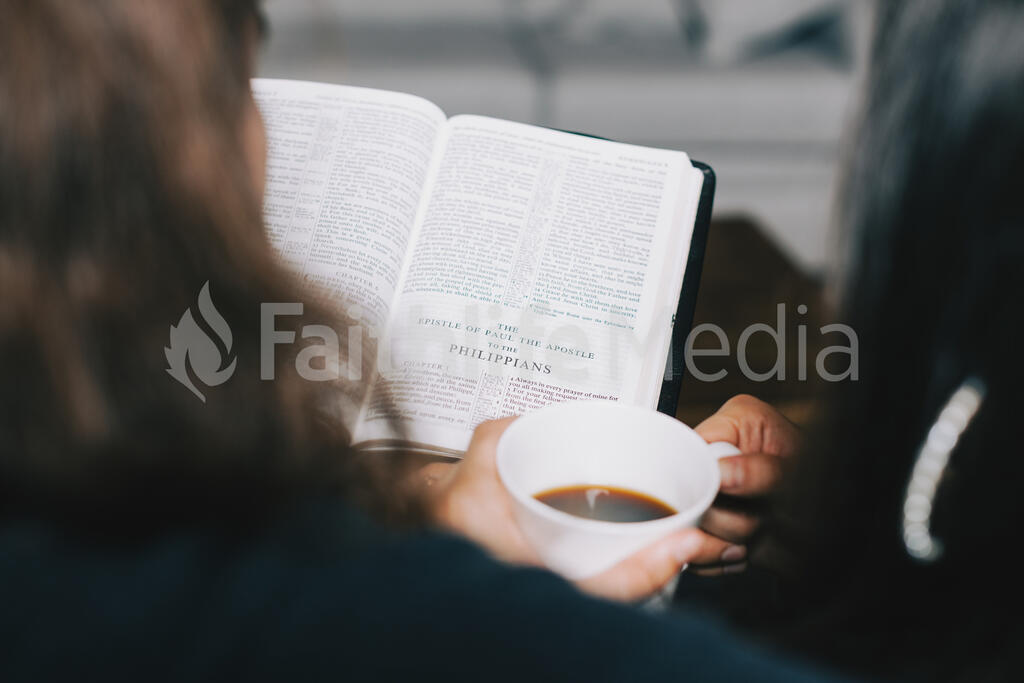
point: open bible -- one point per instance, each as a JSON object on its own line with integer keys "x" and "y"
{"x": 502, "y": 266}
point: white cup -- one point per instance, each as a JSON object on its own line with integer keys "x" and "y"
{"x": 604, "y": 443}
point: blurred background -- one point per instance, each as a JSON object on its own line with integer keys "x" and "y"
{"x": 760, "y": 89}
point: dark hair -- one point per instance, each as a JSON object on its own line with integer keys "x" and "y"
{"x": 934, "y": 211}
{"x": 124, "y": 187}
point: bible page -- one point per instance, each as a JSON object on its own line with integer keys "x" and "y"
{"x": 545, "y": 267}
{"x": 346, "y": 168}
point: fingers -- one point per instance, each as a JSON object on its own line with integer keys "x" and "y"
{"x": 733, "y": 421}
{"x": 719, "y": 427}
{"x": 643, "y": 573}
{"x": 752, "y": 474}
{"x": 486, "y": 434}
{"x": 715, "y": 550}
{"x": 724, "y": 551}
{"x": 718, "y": 556}
{"x": 718, "y": 570}
{"x": 482, "y": 445}
{"x": 751, "y": 425}
{"x": 730, "y": 525}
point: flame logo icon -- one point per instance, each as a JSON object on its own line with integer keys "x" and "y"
{"x": 191, "y": 347}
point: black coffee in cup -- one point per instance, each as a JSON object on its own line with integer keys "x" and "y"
{"x": 605, "y": 503}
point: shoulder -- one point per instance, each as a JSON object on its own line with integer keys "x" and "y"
{"x": 320, "y": 594}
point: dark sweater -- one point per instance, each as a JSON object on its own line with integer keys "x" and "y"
{"x": 322, "y": 595}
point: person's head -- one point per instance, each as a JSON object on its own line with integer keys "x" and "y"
{"x": 131, "y": 174}
{"x": 934, "y": 210}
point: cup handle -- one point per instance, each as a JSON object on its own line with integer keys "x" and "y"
{"x": 721, "y": 449}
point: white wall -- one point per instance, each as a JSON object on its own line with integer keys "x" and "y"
{"x": 770, "y": 126}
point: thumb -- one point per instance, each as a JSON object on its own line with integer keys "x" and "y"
{"x": 647, "y": 570}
